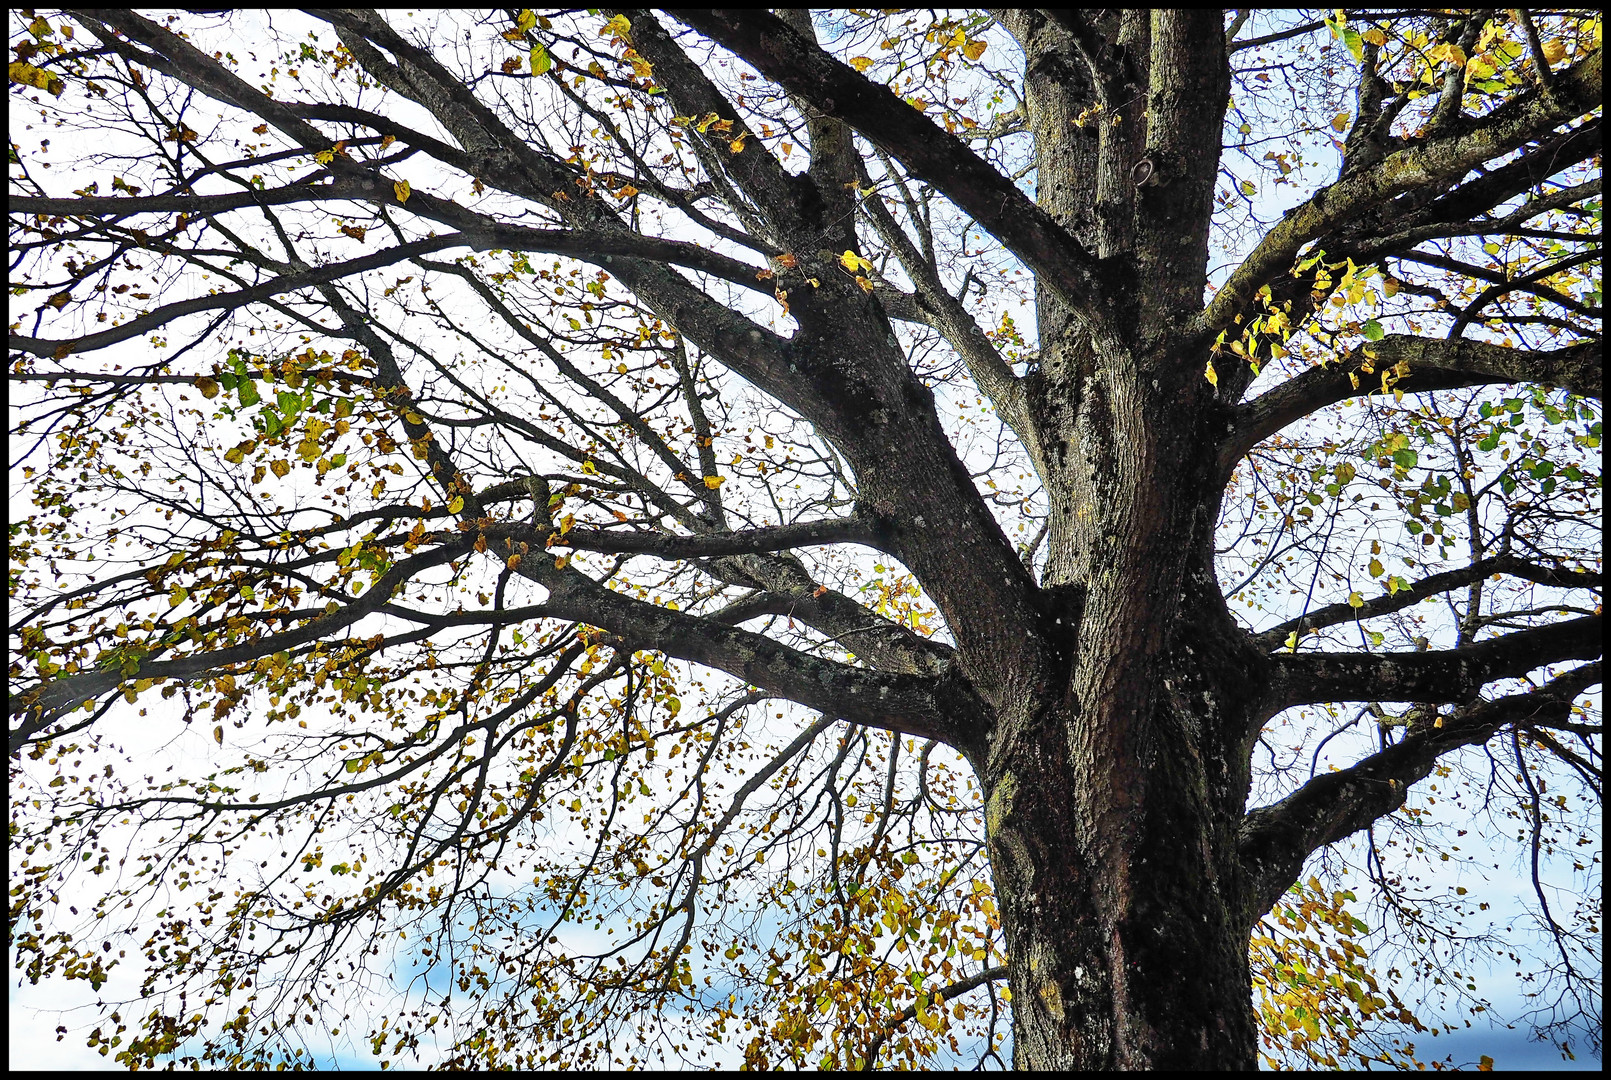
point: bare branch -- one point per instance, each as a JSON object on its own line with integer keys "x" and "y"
{"x": 1276, "y": 839}
{"x": 1418, "y": 591}
{"x": 1437, "y": 676}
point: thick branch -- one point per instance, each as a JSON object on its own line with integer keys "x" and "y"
{"x": 936, "y": 307}
{"x": 742, "y": 542}
{"x": 1451, "y": 675}
{"x": 943, "y": 707}
{"x": 930, "y": 153}
{"x": 579, "y": 244}
{"x": 1276, "y": 839}
{"x": 1434, "y": 365}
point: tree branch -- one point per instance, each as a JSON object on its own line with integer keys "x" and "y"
{"x": 943, "y": 707}
{"x": 1429, "y": 163}
{"x": 936, "y": 307}
{"x": 743, "y": 542}
{"x": 1431, "y": 586}
{"x": 1276, "y": 839}
{"x": 955, "y": 990}
{"x": 1449, "y": 675}
{"x": 1434, "y": 365}
{"x": 49, "y": 699}
{"x": 930, "y": 153}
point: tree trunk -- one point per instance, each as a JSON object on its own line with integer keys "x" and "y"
{"x": 1114, "y": 793}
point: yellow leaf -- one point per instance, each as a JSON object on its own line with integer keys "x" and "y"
{"x": 860, "y": 63}
{"x": 280, "y": 467}
{"x": 1355, "y": 600}
{"x": 567, "y": 523}
{"x": 853, "y": 262}
{"x": 177, "y": 596}
{"x": 325, "y": 157}
{"x": 714, "y": 482}
{"x": 1376, "y": 568}
{"x": 208, "y": 387}
{"x": 60, "y": 300}
{"x": 1375, "y": 36}
{"x": 514, "y": 562}
{"x": 1211, "y": 375}
{"x": 455, "y": 504}
{"x": 539, "y": 59}
{"x": 403, "y": 190}
{"x": 218, "y": 734}
{"x": 1554, "y": 49}
{"x": 974, "y": 49}
{"x": 866, "y": 286}
{"x": 1340, "y": 122}
{"x": 387, "y": 140}
{"x": 737, "y": 145}
{"x": 619, "y": 26}
{"x": 28, "y": 75}
{"x": 525, "y": 20}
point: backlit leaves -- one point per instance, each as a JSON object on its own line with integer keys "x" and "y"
{"x": 29, "y": 75}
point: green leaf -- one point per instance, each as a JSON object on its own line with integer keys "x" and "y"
{"x": 540, "y": 60}
{"x": 248, "y": 393}
{"x": 1355, "y": 43}
{"x": 1373, "y": 331}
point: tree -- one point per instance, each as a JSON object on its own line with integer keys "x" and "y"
{"x": 597, "y": 471}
